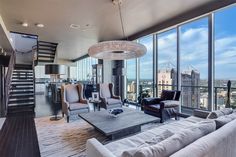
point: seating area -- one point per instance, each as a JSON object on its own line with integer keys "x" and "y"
{"x": 117, "y": 78}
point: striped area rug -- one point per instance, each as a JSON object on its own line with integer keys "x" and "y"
{"x": 62, "y": 139}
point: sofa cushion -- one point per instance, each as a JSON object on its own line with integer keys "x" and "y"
{"x": 135, "y": 141}
{"x": 175, "y": 142}
{"x": 77, "y": 106}
{"x": 72, "y": 95}
{"x": 113, "y": 101}
{"x": 105, "y": 91}
{"x": 219, "y": 113}
{"x": 170, "y": 103}
{"x": 221, "y": 121}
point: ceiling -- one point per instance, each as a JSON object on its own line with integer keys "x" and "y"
{"x": 98, "y": 19}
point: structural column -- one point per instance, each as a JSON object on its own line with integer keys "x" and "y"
{"x": 211, "y": 69}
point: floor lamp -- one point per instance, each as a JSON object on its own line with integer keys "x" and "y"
{"x": 54, "y": 70}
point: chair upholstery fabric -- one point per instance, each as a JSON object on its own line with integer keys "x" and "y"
{"x": 72, "y": 99}
{"x": 105, "y": 91}
{"x": 165, "y": 107}
{"x": 72, "y": 94}
{"x": 107, "y": 97}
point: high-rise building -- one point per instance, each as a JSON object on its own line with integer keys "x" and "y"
{"x": 190, "y": 80}
{"x": 167, "y": 77}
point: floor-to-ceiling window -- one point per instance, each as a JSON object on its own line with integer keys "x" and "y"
{"x": 131, "y": 78}
{"x": 182, "y": 61}
{"x": 146, "y": 69}
{"x": 225, "y": 56}
{"x": 84, "y": 69}
{"x": 194, "y": 64}
{"x": 167, "y": 60}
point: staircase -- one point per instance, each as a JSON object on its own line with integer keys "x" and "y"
{"x": 46, "y": 52}
{"x": 22, "y": 90}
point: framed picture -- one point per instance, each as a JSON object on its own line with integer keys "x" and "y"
{"x": 95, "y": 96}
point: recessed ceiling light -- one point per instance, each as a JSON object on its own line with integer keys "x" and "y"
{"x": 40, "y": 25}
{"x": 25, "y": 24}
{"x": 74, "y": 26}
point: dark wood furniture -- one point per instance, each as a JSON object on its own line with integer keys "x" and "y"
{"x": 96, "y": 104}
{"x": 127, "y": 123}
{"x": 165, "y": 107}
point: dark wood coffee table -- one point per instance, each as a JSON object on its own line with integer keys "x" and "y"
{"x": 128, "y": 122}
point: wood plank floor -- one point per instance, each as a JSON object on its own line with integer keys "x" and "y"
{"x": 18, "y": 137}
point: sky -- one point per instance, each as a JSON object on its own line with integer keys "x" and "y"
{"x": 194, "y": 48}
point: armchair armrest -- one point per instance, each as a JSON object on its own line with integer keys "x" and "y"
{"x": 67, "y": 104}
{"x": 151, "y": 101}
{"x": 83, "y": 101}
{"x": 116, "y": 97}
{"x": 169, "y": 103}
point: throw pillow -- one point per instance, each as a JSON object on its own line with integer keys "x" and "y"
{"x": 227, "y": 111}
{"x": 219, "y": 113}
{"x": 175, "y": 142}
{"x": 221, "y": 121}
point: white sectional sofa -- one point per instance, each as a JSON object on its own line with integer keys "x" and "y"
{"x": 193, "y": 136}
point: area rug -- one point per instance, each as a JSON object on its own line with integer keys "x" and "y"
{"x": 62, "y": 139}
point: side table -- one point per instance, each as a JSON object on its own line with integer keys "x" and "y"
{"x": 95, "y": 104}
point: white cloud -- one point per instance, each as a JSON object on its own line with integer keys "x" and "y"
{"x": 193, "y": 51}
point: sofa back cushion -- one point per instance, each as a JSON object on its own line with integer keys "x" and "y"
{"x": 175, "y": 142}
{"x": 219, "y": 113}
{"x": 105, "y": 91}
{"x": 221, "y": 121}
{"x": 220, "y": 143}
{"x": 72, "y": 94}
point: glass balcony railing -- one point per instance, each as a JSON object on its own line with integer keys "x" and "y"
{"x": 195, "y": 97}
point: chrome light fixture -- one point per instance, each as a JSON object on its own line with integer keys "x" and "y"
{"x": 117, "y": 49}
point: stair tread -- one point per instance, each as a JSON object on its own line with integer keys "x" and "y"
{"x": 22, "y": 95}
{"x": 22, "y": 84}
{"x": 46, "y": 61}
{"x": 20, "y": 101}
{"x": 22, "y": 80}
{"x": 39, "y": 56}
{"x": 20, "y": 92}
{"x": 21, "y": 105}
{"x": 46, "y": 53}
{"x": 21, "y": 88}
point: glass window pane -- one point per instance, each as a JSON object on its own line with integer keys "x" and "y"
{"x": 167, "y": 61}
{"x": 146, "y": 69}
{"x": 225, "y": 56}
{"x": 194, "y": 64}
{"x": 131, "y": 80}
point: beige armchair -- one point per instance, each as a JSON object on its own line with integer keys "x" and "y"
{"x": 72, "y": 100}
{"x": 108, "y": 99}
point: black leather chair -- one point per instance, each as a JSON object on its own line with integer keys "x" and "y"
{"x": 165, "y": 107}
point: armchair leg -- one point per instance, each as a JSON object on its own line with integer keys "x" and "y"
{"x": 68, "y": 119}
{"x": 161, "y": 116}
{"x": 63, "y": 114}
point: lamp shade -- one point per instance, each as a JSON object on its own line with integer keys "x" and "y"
{"x": 55, "y": 69}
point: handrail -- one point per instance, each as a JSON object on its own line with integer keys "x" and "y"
{"x": 8, "y": 77}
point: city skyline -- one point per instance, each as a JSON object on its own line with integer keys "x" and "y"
{"x": 194, "y": 47}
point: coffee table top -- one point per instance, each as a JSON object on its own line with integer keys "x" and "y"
{"x": 109, "y": 125}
